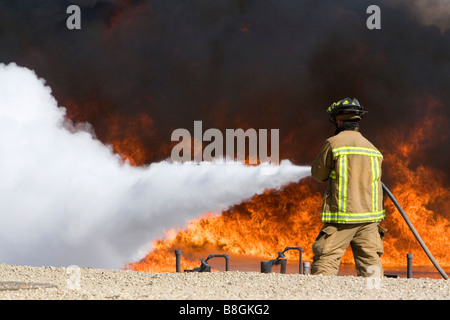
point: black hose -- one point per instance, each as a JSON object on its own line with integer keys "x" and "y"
{"x": 416, "y": 234}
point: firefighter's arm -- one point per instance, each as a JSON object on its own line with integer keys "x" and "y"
{"x": 323, "y": 164}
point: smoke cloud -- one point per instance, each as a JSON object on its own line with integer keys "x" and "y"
{"x": 234, "y": 64}
{"x": 66, "y": 198}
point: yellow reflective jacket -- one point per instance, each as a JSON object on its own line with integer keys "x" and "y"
{"x": 352, "y": 167}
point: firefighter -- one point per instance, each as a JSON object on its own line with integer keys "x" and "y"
{"x": 353, "y": 202}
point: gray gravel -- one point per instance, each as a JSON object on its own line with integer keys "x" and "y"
{"x": 24, "y": 282}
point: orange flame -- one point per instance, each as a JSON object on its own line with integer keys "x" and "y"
{"x": 125, "y": 135}
{"x": 271, "y": 221}
{"x": 421, "y": 191}
{"x": 129, "y": 147}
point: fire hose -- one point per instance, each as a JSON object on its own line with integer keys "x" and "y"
{"x": 414, "y": 231}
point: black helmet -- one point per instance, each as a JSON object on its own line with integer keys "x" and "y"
{"x": 346, "y": 107}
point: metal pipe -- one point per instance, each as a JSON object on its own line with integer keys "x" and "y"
{"x": 416, "y": 234}
{"x": 409, "y": 257}
{"x": 266, "y": 266}
{"x": 282, "y": 263}
{"x": 178, "y": 260}
{"x": 300, "y": 250}
{"x": 305, "y": 267}
{"x": 226, "y": 256}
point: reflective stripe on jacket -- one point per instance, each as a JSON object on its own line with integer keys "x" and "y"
{"x": 352, "y": 167}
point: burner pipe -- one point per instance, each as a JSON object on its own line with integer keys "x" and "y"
{"x": 300, "y": 251}
{"x": 409, "y": 257}
{"x": 178, "y": 260}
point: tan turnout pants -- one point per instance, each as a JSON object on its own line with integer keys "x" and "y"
{"x": 366, "y": 240}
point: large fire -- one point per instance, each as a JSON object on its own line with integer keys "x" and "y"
{"x": 276, "y": 219}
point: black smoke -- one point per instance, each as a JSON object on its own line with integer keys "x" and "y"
{"x": 231, "y": 63}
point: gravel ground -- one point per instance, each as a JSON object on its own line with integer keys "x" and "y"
{"x": 39, "y": 283}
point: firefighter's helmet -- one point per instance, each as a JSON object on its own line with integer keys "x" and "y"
{"x": 348, "y": 109}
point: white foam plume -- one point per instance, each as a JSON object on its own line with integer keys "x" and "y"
{"x": 66, "y": 198}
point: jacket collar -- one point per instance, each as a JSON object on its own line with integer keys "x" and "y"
{"x": 348, "y": 125}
